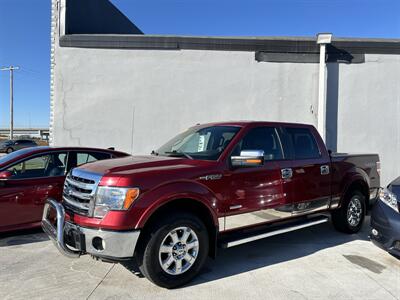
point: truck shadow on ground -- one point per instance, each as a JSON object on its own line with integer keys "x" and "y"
{"x": 271, "y": 251}
{"x": 275, "y": 250}
{"x": 21, "y": 237}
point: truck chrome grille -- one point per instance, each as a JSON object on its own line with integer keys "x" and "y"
{"x": 79, "y": 190}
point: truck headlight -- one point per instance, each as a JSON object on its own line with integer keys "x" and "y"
{"x": 113, "y": 198}
{"x": 389, "y": 199}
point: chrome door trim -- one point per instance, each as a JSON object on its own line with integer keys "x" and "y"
{"x": 256, "y": 217}
{"x": 235, "y": 206}
{"x": 301, "y": 208}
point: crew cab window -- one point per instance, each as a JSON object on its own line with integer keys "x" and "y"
{"x": 48, "y": 165}
{"x": 304, "y": 143}
{"x": 261, "y": 138}
{"x": 87, "y": 157}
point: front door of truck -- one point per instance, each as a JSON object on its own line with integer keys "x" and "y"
{"x": 256, "y": 193}
{"x": 309, "y": 172}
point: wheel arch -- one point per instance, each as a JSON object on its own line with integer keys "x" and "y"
{"x": 358, "y": 184}
{"x": 189, "y": 205}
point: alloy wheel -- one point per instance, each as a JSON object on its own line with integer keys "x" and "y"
{"x": 178, "y": 250}
{"x": 354, "y": 211}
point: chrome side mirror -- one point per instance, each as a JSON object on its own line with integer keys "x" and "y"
{"x": 248, "y": 158}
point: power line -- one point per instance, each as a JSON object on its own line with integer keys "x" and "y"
{"x": 11, "y": 70}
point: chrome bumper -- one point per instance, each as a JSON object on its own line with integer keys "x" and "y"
{"x": 114, "y": 244}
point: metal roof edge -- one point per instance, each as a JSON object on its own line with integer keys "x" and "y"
{"x": 271, "y": 43}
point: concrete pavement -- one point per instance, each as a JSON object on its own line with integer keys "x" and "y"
{"x": 313, "y": 263}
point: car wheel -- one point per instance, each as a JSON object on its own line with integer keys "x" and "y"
{"x": 9, "y": 150}
{"x": 349, "y": 218}
{"x": 174, "y": 250}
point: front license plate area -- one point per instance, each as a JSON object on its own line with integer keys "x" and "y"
{"x": 74, "y": 237}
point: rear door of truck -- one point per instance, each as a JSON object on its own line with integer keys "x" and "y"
{"x": 309, "y": 172}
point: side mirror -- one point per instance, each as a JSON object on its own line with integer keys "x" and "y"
{"x": 248, "y": 158}
{"x": 5, "y": 175}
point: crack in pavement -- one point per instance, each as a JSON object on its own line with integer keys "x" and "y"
{"x": 101, "y": 281}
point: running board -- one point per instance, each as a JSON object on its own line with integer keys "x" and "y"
{"x": 273, "y": 230}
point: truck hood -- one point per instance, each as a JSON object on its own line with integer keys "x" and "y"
{"x": 131, "y": 165}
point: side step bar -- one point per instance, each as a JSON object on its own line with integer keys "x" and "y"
{"x": 273, "y": 230}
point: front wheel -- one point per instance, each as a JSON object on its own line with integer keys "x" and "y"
{"x": 350, "y": 216}
{"x": 9, "y": 150}
{"x": 174, "y": 250}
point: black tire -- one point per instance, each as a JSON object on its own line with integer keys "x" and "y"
{"x": 148, "y": 253}
{"x": 9, "y": 150}
{"x": 340, "y": 216}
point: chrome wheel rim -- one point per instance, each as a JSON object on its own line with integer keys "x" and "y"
{"x": 178, "y": 250}
{"x": 354, "y": 211}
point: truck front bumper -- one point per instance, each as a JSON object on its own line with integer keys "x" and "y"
{"x": 73, "y": 240}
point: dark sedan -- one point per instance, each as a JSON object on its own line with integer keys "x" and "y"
{"x": 29, "y": 176}
{"x": 9, "y": 146}
{"x": 385, "y": 219}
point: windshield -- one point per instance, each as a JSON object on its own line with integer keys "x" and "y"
{"x": 200, "y": 143}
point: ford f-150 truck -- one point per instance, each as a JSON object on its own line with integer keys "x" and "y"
{"x": 214, "y": 185}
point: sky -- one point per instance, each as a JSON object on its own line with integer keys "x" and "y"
{"x": 25, "y": 34}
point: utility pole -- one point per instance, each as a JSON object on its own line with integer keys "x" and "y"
{"x": 11, "y": 69}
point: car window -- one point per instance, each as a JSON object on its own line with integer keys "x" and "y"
{"x": 261, "y": 138}
{"x": 304, "y": 143}
{"x": 48, "y": 165}
{"x": 30, "y": 168}
{"x": 87, "y": 157}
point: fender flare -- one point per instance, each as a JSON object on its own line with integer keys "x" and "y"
{"x": 359, "y": 177}
{"x": 160, "y": 196}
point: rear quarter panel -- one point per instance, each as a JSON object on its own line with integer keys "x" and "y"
{"x": 349, "y": 168}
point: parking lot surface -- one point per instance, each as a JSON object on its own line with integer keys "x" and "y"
{"x": 313, "y": 263}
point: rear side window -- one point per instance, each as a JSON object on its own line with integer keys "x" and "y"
{"x": 304, "y": 143}
{"x": 261, "y": 138}
{"x": 87, "y": 157}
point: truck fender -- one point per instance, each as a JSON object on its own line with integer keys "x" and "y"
{"x": 160, "y": 196}
{"x": 357, "y": 177}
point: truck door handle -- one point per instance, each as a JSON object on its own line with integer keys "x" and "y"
{"x": 287, "y": 173}
{"x": 324, "y": 170}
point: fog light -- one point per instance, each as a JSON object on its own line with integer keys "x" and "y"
{"x": 98, "y": 243}
{"x": 375, "y": 232}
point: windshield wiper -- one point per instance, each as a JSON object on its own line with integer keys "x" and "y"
{"x": 179, "y": 153}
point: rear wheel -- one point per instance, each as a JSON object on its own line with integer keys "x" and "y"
{"x": 349, "y": 218}
{"x": 9, "y": 150}
{"x": 174, "y": 250}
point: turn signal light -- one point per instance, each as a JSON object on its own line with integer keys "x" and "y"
{"x": 131, "y": 196}
{"x": 253, "y": 161}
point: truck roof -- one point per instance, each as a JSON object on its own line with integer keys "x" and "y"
{"x": 249, "y": 122}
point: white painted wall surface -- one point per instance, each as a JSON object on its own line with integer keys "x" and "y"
{"x": 135, "y": 100}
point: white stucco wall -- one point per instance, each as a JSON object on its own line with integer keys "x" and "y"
{"x": 369, "y": 110}
{"x": 135, "y": 100}
{"x": 111, "y": 97}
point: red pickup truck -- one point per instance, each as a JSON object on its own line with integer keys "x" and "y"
{"x": 214, "y": 185}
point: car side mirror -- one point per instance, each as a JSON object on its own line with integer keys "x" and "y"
{"x": 5, "y": 175}
{"x": 248, "y": 158}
